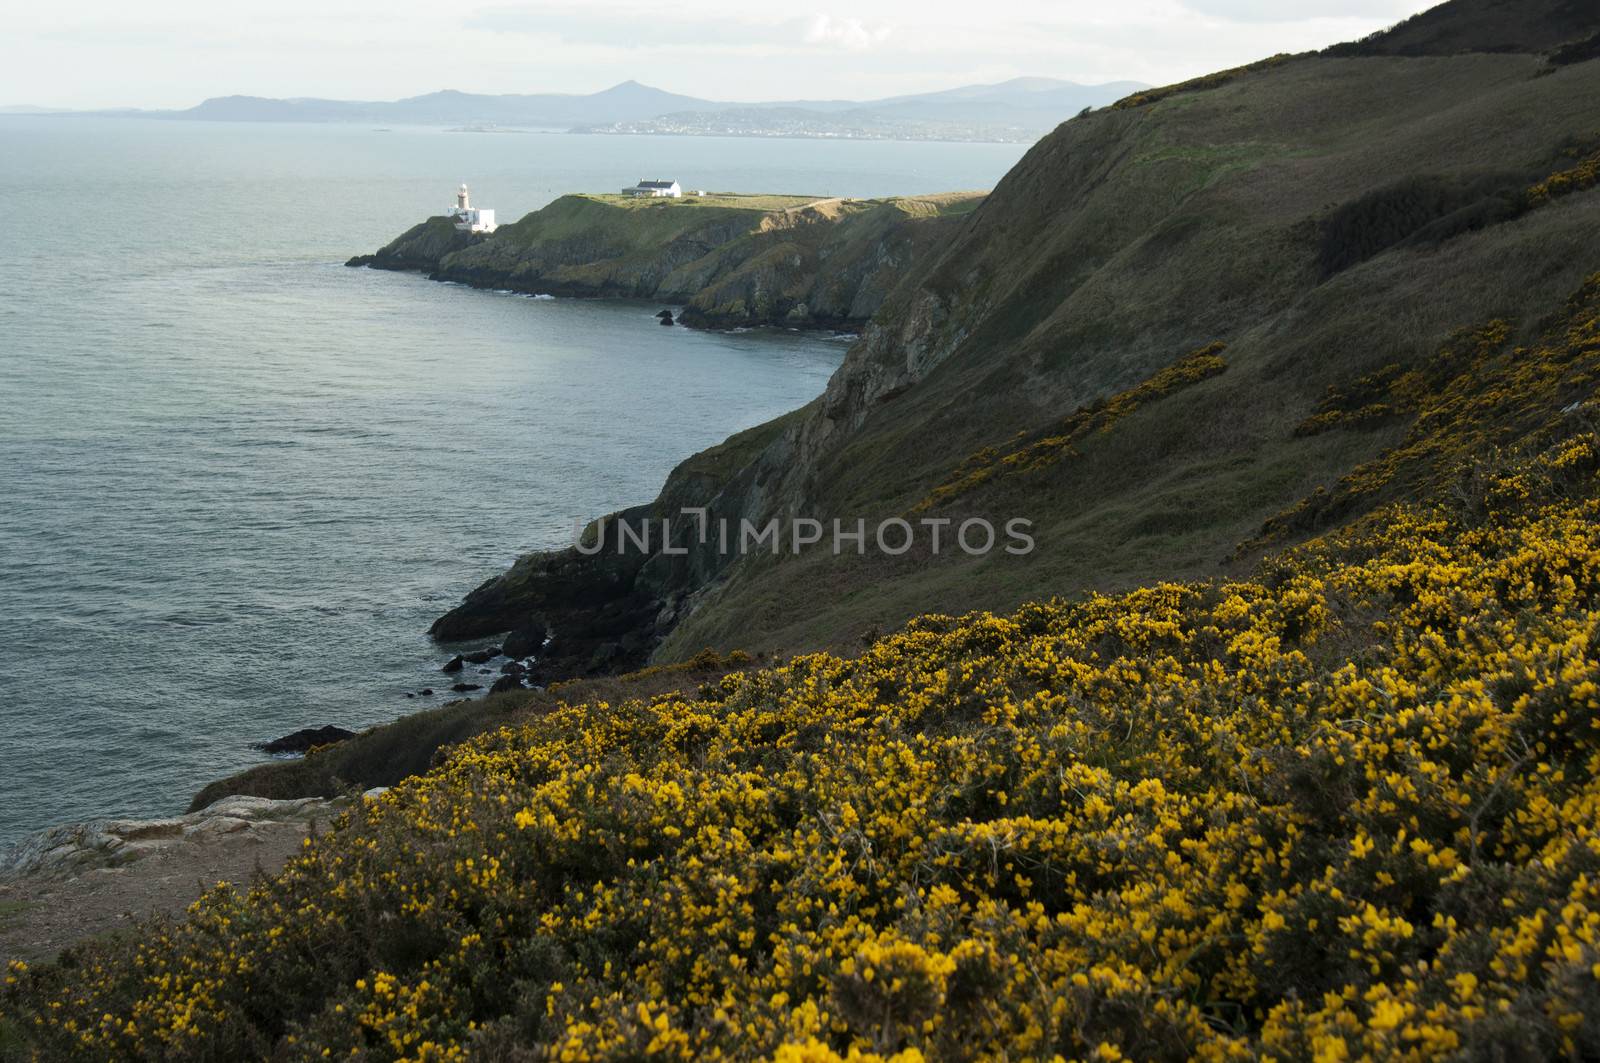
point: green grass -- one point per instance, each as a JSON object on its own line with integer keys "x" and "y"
{"x": 713, "y": 200}
{"x": 12, "y": 911}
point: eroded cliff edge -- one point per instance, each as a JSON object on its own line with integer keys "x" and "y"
{"x": 729, "y": 260}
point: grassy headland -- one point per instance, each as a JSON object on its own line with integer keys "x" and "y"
{"x": 728, "y": 259}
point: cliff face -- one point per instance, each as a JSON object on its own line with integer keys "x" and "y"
{"x": 727, "y": 260}
{"x": 1330, "y": 221}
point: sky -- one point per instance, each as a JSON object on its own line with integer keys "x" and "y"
{"x": 174, "y": 53}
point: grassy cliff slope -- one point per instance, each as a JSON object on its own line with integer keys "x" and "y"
{"x": 1484, "y": 26}
{"x": 1321, "y": 218}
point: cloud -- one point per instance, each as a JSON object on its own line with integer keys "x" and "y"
{"x": 639, "y": 28}
{"x": 616, "y": 28}
{"x": 1299, "y": 10}
{"x": 850, "y": 34}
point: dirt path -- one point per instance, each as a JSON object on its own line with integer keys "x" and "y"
{"x": 79, "y": 882}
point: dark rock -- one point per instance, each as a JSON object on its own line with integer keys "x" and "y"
{"x": 426, "y": 692}
{"x": 526, "y": 642}
{"x": 482, "y": 656}
{"x": 409, "y": 694}
{"x": 584, "y": 600}
{"x": 665, "y": 317}
{"x": 462, "y": 688}
{"x": 454, "y": 664}
{"x": 506, "y": 682}
{"x": 420, "y": 247}
{"x": 306, "y": 739}
{"x": 513, "y": 668}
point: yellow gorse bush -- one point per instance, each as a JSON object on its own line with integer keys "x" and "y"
{"x": 1476, "y": 396}
{"x": 1057, "y": 441}
{"x": 1578, "y": 178}
{"x": 1349, "y": 808}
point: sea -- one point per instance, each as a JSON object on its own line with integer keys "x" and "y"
{"x": 238, "y": 480}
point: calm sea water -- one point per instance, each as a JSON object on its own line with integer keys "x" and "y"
{"x": 238, "y": 481}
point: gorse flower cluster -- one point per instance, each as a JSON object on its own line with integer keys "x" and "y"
{"x": 1585, "y": 175}
{"x": 1477, "y": 396}
{"x": 1199, "y": 84}
{"x": 1349, "y": 808}
{"x": 1057, "y": 441}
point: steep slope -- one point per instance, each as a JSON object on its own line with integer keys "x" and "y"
{"x": 730, "y": 260}
{"x": 1321, "y": 217}
{"x": 1483, "y": 26}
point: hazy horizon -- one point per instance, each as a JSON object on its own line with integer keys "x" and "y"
{"x": 172, "y": 54}
{"x": 27, "y": 107}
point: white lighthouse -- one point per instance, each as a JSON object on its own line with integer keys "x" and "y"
{"x": 470, "y": 219}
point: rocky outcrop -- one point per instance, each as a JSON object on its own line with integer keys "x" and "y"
{"x": 108, "y": 843}
{"x": 597, "y": 607}
{"x": 421, "y": 247}
{"x": 606, "y": 607}
{"x": 306, "y": 739}
{"x": 734, "y": 262}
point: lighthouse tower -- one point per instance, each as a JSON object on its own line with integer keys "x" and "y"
{"x": 470, "y": 219}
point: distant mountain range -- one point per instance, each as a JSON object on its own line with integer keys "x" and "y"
{"x": 1021, "y": 109}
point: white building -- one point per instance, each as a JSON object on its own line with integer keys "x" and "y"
{"x": 470, "y": 219}
{"x": 655, "y": 189}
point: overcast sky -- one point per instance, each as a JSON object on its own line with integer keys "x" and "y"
{"x": 173, "y": 53}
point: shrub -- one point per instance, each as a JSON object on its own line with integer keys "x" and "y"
{"x": 1475, "y": 396}
{"x": 1057, "y": 441}
{"x": 1418, "y": 211}
{"x": 1199, "y": 84}
{"x": 1345, "y": 808}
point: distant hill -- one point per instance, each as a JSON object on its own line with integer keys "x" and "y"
{"x": 627, "y": 101}
{"x": 1021, "y": 109}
